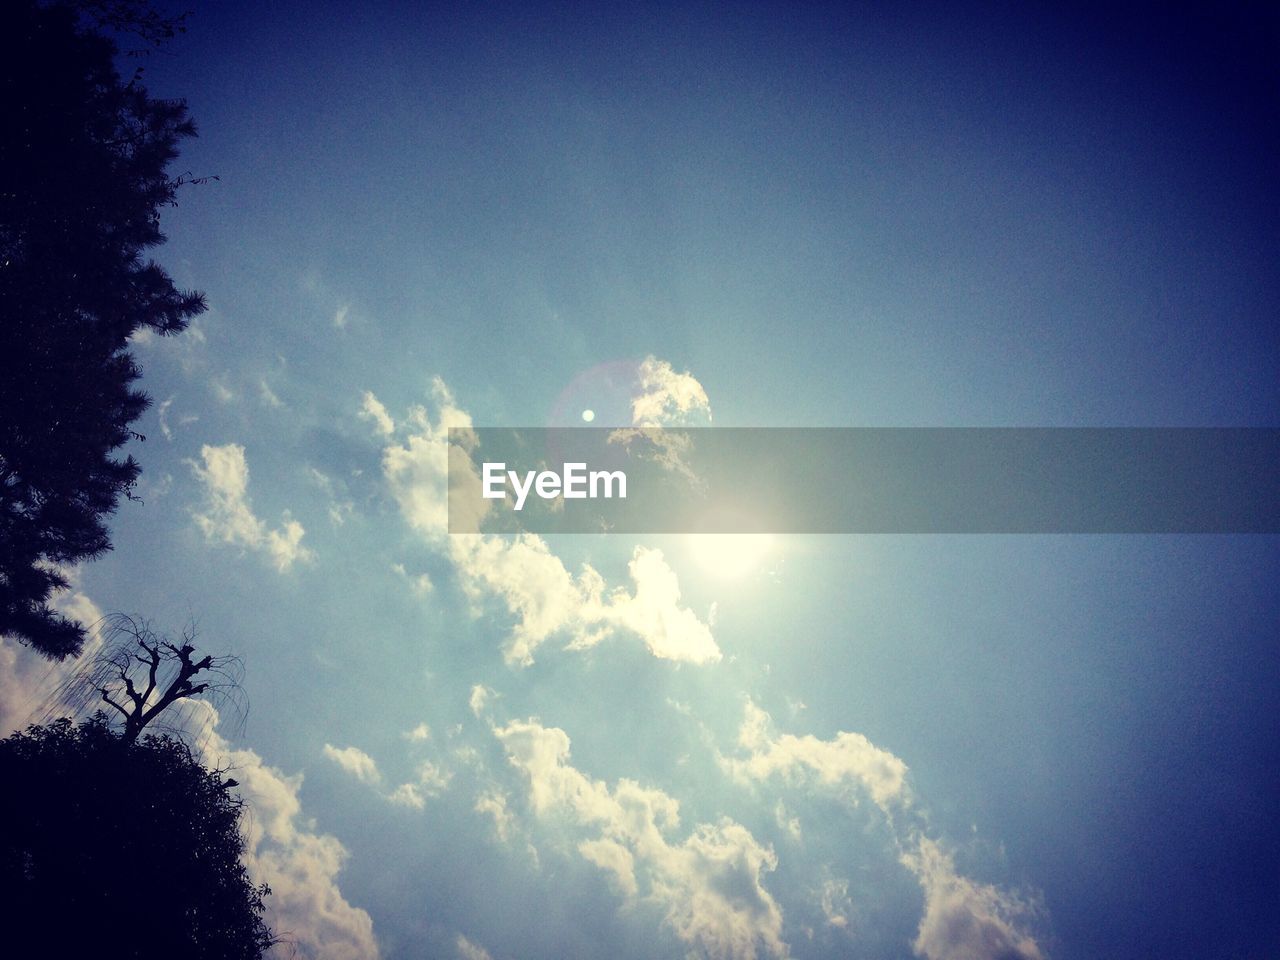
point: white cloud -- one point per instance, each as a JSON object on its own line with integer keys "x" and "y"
{"x": 667, "y": 398}
{"x": 195, "y": 331}
{"x": 471, "y": 951}
{"x": 162, "y": 414}
{"x": 29, "y": 684}
{"x": 420, "y": 583}
{"x": 419, "y": 733}
{"x": 614, "y": 859}
{"x": 221, "y": 392}
{"x": 849, "y": 757}
{"x": 786, "y": 822}
{"x": 408, "y": 795}
{"x": 653, "y": 613}
{"x": 521, "y": 571}
{"x": 284, "y": 544}
{"x": 355, "y": 762}
{"x": 493, "y": 803}
{"x": 340, "y": 316}
{"x": 664, "y": 399}
{"x": 340, "y": 507}
{"x": 835, "y": 902}
{"x": 669, "y": 449}
{"x": 306, "y": 907}
{"x": 268, "y": 396}
{"x": 371, "y": 409}
{"x": 432, "y": 779}
{"x": 228, "y": 516}
{"x": 533, "y": 584}
{"x": 480, "y": 695}
{"x": 143, "y": 337}
{"x": 418, "y": 470}
{"x": 709, "y": 885}
{"x": 963, "y": 919}
{"x": 547, "y": 600}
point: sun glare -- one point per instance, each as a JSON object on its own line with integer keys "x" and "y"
{"x": 730, "y": 556}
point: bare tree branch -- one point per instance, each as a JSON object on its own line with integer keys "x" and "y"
{"x": 173, "y": 673}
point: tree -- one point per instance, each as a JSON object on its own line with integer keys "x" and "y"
{"x": 83, "y": 178}
{"x": 141, "y": 674}
{"x": 118, "y": 848}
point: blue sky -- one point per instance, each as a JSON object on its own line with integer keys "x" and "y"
{"x": 950, "y": 747}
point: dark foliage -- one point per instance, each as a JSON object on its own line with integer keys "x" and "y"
{"x": 119, "y": 849}
{"x": 83, "y": 178}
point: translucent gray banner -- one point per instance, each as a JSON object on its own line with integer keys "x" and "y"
{"x": 865, "y": 480}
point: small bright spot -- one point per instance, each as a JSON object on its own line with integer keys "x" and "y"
{"x": 588, "y": 415}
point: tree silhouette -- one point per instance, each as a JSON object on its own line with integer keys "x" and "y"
{"x": 118, "y": 848}
{"x": 140, "y": 674}
{"x": 83, "y": 178}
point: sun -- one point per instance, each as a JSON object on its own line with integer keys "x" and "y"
{"x": 730, "y": 556}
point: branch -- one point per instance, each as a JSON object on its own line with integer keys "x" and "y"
{"x": 106, "y": 697}
{"x": 154, "y": 654}
{"x": 130, "y": 689}
{"x": 181, "y": 686}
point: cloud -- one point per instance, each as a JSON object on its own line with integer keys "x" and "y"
{"x": 162, "y": 414}
{"x": 221, "y": 391}
{"x": 669, "y": 449}
{"x": 228, "y": 516}
{"x": 480, "y": 695}
{"x": 493, "y": 803}
{"x": 708, "y": 885}
{"x": 666, "y": 398}
{"x": 547, "y": 600}
{"x": 533, "y": 584}
{"x": 471, "y": 951}
{"x": 963, "y": 919}
{"x": 653, "y": 613}
{"x": 340, "y": 506}
{"x": 29, "y": 684}
{"x": 835, "y": 902}
{"x": 432, "y": 779}
{"x": 615, "y": 859}
{"x": 417, "y": 471}
{"x": 849, "y": 757}
{"x": 143, "y": 337}
{"x": 306, "y": 907}
{"x": 786, "y": 822}
{"x": 355, "y": 762}
{"x": 419, "y": 733}
{"x": 408, "y": 795}
{"x": 268, "y": 396}
{"x": 371, "y": 409}
{"x": 521, "y": 571}
{"x": 340, "y": 316}
{"x": 420, "y": 583}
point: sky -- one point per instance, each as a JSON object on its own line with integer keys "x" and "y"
{"x": 952, "y": 747}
